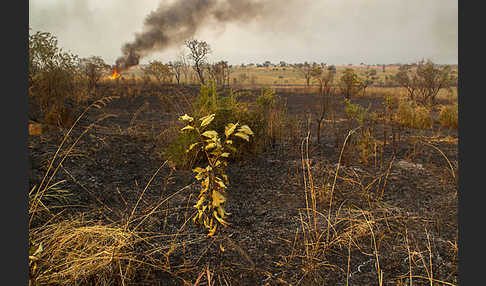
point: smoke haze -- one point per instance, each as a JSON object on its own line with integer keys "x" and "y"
{"x": 172, "y": 24}
{"x": 244, "y": 31}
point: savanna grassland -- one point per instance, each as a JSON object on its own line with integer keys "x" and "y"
{"x": 324, "y": 186}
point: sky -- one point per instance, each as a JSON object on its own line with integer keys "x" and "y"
{"x": 329, "y": 31}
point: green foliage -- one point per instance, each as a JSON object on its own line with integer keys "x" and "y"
{"x": 411, "y": 115}
{"x": 160, "y": 71}
{"x": 176, "y": 151}
{"x": 366, "y": 120}
{"x": 214, "y": 181}
{"x": 357, "y": 112}
{"x": 424, "y": 82}
{"x": 350, "y": 83}
{"x": 448, "y": 116}
{"x": 52, "y": 76}
{"x": 267, "y": 118}
{"x": 226, "y": 108}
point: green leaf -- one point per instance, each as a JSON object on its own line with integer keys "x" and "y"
{"x": 188, "y": 127}
{"x": 207, "y": 119}
{"x": 210, "y": 134}
{"x": 229, "y": 129}
{"x": 198, "y": 170}
{"x": 200, "y": 202}
{"x": 186, "y": 117}
{"x": 245, "y": 129}
{"x": 225, "y": 155}
{"x": 218, "y": 199}
{"x": 242, "y": 135}
{"x": 210, "y": 146}
{"x": 221, "y": 184}
{"x": 194, "y": 145}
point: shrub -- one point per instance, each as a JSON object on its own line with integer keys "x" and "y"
{"x": 265, "y": 121}
{"x": 52, "y": 76}
{"x": 270, "y": 119}
{"x": 413, "y": 116}
{"x": 448, "y": 116}
{"x": 364, "y": 141}
{"x": 214, "y": 181}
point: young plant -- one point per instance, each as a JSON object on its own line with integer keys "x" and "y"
{"x": 214, "y": 181}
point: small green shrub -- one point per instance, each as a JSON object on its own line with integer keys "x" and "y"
{"x": 214, "y": 181}
{"x": 448, "y": 116}
{"x": 413, "y": 116}
{"x": 176, "y": 151}
{"x": 227, "y": 108}
{"x": 364, "y": 142}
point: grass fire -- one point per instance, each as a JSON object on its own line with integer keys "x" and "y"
{"x": 115, "y": 74}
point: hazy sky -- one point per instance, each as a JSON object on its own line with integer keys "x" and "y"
{"x": 330, "y": 31}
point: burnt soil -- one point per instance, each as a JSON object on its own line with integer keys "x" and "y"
{"x": 117, "y": 160}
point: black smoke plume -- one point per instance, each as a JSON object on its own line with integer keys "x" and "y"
{"x": 172, "y": 24}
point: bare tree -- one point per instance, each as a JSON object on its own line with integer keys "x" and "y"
{"x": 219, "y": 72}
{"x": 185, "y": 68}
{"x": 199, "y": 50}
{"x": 324, "y": 77}
{"x": 177, "y": 69}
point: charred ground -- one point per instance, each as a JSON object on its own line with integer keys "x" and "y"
{"x": 394, "y": 213}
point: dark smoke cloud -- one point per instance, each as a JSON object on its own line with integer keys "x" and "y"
{"x": 172, "y": 24}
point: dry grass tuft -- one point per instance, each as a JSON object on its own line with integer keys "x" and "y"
{"x": 77, "y": 251}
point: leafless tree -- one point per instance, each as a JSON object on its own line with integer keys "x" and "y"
{"x": 199, "y": 50}
{"x": 219, "y": 72}
{"x": 324, "y": 77}
{"x": 177, "y": 69}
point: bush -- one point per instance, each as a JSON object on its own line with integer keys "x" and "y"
{"x": 448, "y": 116}
{"x": 413, "y": 116}
{"x": 52, "y": 77}
{"x": 267, "y": 118}
{"x": 226, "y": 109}
{"x": 215, "y": 150}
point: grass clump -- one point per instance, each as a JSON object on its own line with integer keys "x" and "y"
{"x": 76, "y": 251}
{"x": 448, "y": 116}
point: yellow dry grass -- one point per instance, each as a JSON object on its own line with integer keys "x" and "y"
{"x": 77, "y": 251}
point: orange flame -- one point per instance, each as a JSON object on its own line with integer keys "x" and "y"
{"x": 115, "y": 74}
